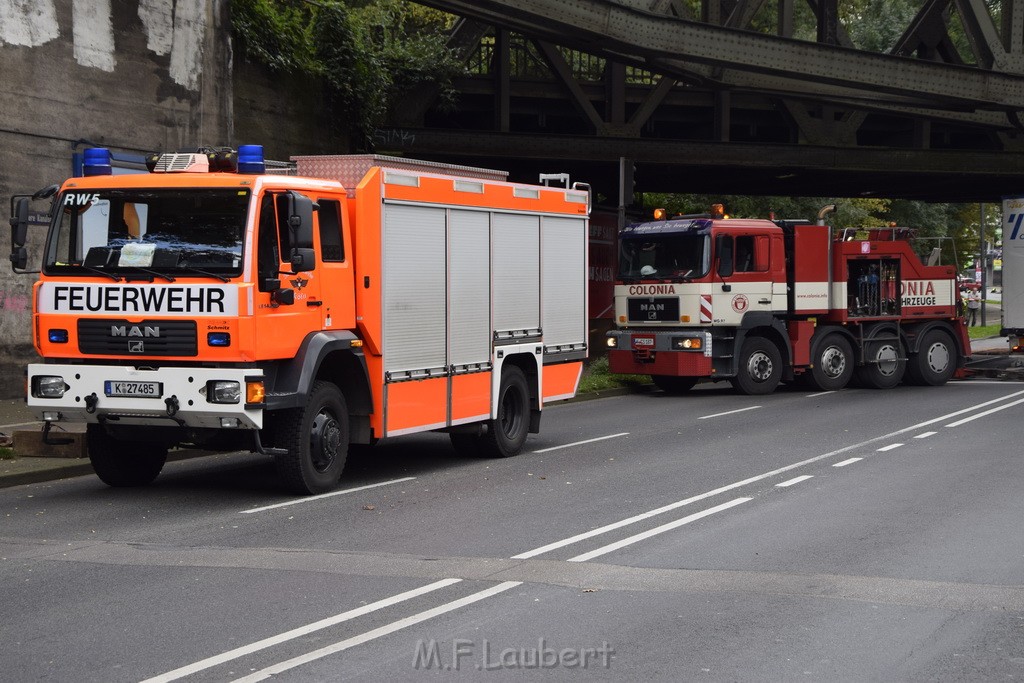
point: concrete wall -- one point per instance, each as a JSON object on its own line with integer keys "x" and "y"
{"x": 132, "y": 75}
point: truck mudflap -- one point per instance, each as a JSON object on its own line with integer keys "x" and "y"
{"x": 182, "y": 396}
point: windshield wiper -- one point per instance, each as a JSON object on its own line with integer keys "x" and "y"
{"x": 154, "y": 273}
{"x": 115, "y": 278}
{"x": 192, "y": 269}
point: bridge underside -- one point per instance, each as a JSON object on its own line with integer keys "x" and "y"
{"x": 696, "y": 105}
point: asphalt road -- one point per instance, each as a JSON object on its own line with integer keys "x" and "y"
{"x": 854, "y": 535}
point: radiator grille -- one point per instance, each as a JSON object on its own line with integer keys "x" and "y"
{"x": 148, "y": 338}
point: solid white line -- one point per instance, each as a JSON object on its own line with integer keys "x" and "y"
{"x": 21, "y": 424}
{"x": 795, "y": 480}
{"x": 731, "y": 412}
{"x": 987, "y": 412}
{"x": 297, "y": 632}
{"x": 847, "y": 462}
{"x": 925, "y": 435}
{"x": 580, "y": 443}
{"x": 604, "y": 550}
{"x": 387, "y": 629}
{"x": 735, "y": 485}
{"x": 890, "y": 447}
{"x": 310, "y": 499}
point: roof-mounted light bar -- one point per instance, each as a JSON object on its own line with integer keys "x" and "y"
{"x": 96, "y": 161}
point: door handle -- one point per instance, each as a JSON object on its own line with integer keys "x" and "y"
{"x": 764, "y": 301}
{"x": 314, "y": 302}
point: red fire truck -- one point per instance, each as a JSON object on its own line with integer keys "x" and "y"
{"x": 758, "y": 302}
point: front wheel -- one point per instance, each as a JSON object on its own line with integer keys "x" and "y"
{"x": 506, "y": 434}
{"x": 935, "y": 361}
{"x": 760, "y": 367}
{"x": 316, "y": 439}
{"x": 123, "y": 463}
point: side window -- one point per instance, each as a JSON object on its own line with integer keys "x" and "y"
{"x": 745, "y": 253}
{"x": 332, "y": 248}
{"x": 282, "y": 224}
{"x": 268, "y": 259}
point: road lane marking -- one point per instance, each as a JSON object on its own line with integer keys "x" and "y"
{"x": 731, "y": 412}
{"x": 387, "y": 629}
{"x": 604, "y": 550}
{"x": 298, "y": 632}
{"x": 820, "y": 393}
{"x": 750, "y": 480}
{"x": 925, "y": 435}
{"x": 310, "y": 499}
{"x": 580, "y": 443}
{"x": 795, "y": 480}
{"x": 987, "y": 412}
{"x": 890, "y": 447}
{"x": 847, "y": 462}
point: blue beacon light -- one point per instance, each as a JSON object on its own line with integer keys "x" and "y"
{"x": 250, "y": 159}
{"x": 96, "y": 161}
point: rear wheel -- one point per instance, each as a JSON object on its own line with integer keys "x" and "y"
{"x": 316, "y": 439}
{"x": 506, "y": 434}
{"x": 123, "y": 463}
{"x": 760, "y": 367}
{"x": 884, "y": 365}
{"x": 833, "y": 364}
{"x": 674, "y": 385}
{"x": 935, "y": 361}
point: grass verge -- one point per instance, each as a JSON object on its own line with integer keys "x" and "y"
{"x": 596, "y": 377}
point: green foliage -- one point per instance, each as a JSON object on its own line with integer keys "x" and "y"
{"x": 6, "y": 453}
{"x": 596, "y": 377}
{"x": 367, "y": 54}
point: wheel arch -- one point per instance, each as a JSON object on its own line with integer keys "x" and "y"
{"x": 771, "y": 328}
{"x": 527, "y": 361}
{"x": 912, "y": 335}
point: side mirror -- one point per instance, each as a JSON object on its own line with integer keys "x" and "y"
{"x": 283, "y": 297}
{"x": 723, "y": 253}
{"x": 300, "y": 224}
{"x": 19, "y": 233}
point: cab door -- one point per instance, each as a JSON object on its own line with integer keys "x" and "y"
{"x": 280, "y": 326}
{"x": 334, "y": 265}
{"x": 746, "y": 279}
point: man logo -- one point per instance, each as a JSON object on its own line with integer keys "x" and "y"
{"x": 134, "y": 331}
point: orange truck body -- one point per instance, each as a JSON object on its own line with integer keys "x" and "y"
{"x": 428, "y": 284}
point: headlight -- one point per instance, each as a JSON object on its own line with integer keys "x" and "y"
{"x": 612, "y": 342}
{"x": 223, "y": 391}
{"x": 687, "y": 343}
{"x": 48, "y": 386}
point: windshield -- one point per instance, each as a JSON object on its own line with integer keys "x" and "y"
{"x": 179, "y": 232}
{"x": 664, "y": 257}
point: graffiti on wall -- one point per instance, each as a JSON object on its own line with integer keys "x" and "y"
{"x": 174, "y": 29}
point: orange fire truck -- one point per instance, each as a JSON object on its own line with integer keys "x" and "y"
{"x": 211, "y": 303}
{"x": 758, "y": 302}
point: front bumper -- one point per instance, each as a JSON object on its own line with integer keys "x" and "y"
{"x": 182, "y": 399}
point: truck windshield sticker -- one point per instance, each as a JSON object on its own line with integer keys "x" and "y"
{"x": 152, "y": 300}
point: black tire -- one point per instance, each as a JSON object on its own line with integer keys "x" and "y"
{"x": 316, "y": 438}
{"x": 884, "y": 366}
{"x": 760, "y": 367}
{"x": 674, "y": 385}
{"x": 123, "y": 463}
{"x": 506, "y": 434}
{"x": 833, "y": 364}
{"x": 935, "y": 361}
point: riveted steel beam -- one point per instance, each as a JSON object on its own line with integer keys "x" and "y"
{"x": 606, "y": 27}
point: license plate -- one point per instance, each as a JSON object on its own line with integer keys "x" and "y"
{"x": 646, "y": 343}
{"x": 133, "y": 389}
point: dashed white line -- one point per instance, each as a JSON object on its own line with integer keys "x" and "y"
{"x": 580, "y": 443}
{"x": 925, "y": 435}
{"x": 820, "y": 393}
{"x": 731, "y": 412}
{"x": 604, "y": 550}
{"x": 890, "y": 447}
{"x": 310, "y": 499}
{"x": 230, "y": 655}
{"x": 844, "y": 463}
{"x": 795, "y": 480}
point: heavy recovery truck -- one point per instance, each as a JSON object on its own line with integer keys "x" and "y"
{"x": 757, "y": 302}
{"x": 212, "y": 303}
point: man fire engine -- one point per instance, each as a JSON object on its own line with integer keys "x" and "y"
{"x": 213, "y": 304}
{"x": 758, "y": 301}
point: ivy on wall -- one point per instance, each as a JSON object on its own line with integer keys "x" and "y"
{"x": 366, "y": 55}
